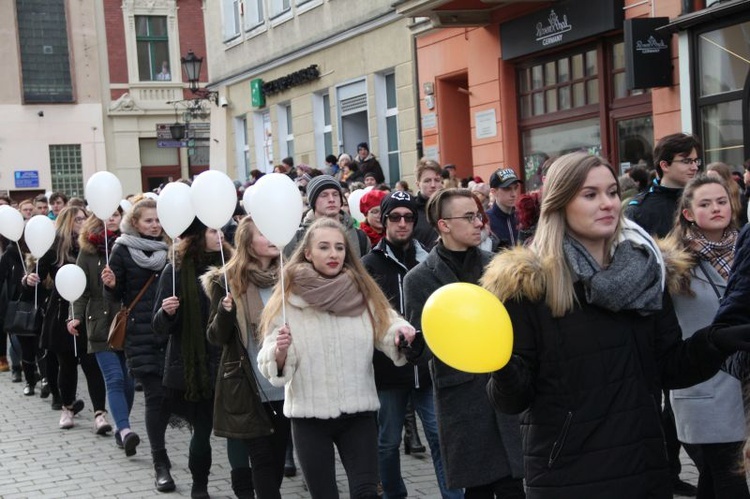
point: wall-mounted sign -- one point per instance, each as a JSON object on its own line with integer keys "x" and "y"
{"x": 429, "y": 121}
{"x": 26, "y": 179}
{"x": 648, "y": 58}
{"x": 566, "y": 21}
{"x": 486, "y": 124}
{"x": 300, "y": 77}
{"x": 257, "y": 99}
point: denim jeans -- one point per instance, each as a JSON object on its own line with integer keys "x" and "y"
{"x": 391, "y": 426}
{"x": 14, "y": 352}
{"x": 120, "y": 386}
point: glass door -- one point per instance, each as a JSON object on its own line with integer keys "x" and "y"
{"x": 635, "y": 143}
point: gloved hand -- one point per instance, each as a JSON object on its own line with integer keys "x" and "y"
{"x": 730, "y": 339}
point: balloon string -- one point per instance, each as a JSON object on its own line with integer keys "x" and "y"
{"x": 20, "y": 253}
{"x": 106, "y": 244}
{"x": 75, "y": 345}
{"x": 283, "y": 289}
{"x": 36, "y": 287}
{"x": 223, "y": 264}
{"x": 174, "y": 289}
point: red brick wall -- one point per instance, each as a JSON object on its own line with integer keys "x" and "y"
{"x": 115, "y": 39}
{"x": 192, "y": 35}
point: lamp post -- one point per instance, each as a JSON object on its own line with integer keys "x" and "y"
{"x": 191, "y": 64}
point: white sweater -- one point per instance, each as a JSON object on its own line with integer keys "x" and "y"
{"x": 328, "y": 370}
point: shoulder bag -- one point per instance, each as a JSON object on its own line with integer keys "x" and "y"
{"x": 116, "y": 337}
{"x": 23, "y": 318}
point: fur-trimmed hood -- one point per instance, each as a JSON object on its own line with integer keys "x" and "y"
{"x": 516, "y": 273}
{"x": 213, "y": 275}
{"x": 678, "y": 262}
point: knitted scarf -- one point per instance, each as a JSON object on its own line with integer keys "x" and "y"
{"x": 631, "y": 282}
{"x": 374, "y": 236}
{"x": 720, "y": 255}
{"x": 192, "y": 334}
{"x": 138, "y": 246}
{"x": 338, "y": 295}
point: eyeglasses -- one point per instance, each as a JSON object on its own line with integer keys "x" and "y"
{"x": 79, "y": 219}
{"x": 396, "y": 218}
{"x": 469, "y": 217}
{"x": 374, "y": 211}
{"x": 689, "y": 161}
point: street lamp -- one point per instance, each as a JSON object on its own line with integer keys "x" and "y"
{"x": 191, "y": 64}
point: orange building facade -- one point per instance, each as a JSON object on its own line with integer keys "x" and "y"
{"x": 512, "y": 83}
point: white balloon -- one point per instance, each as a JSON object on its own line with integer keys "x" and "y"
{"x": 151, "y": 195}
{"x": 40, "y": 234}
{"x": 70, "y": 282}
{"x": 175, "y": 208}
{"x": 103, "y": 194}
{"x": 354, "y": 199}
{"x": 214, "y": 198}
{"x": 11, "y": 223}
{"x": 276, "y": 207}
{"x": 126, "y": 205}
{"x": 246, "y": 196}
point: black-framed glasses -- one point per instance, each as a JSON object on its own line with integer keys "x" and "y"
{"x": 396, "y": 217}
{"x": 469, "y": 217}
{"x": 689, "y": 161}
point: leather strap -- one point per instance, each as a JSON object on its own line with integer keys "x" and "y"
{"x": 140, "y": 293}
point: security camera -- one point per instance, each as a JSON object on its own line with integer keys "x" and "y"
{"x": 40, "y": 114}
{"x": 223, "y": 102}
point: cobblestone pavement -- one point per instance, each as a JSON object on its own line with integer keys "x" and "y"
{"x": 39, "y": 460}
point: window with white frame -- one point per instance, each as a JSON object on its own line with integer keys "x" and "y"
{"x": 231, "y": 10}
{"x": 322, "y": 127}
{"x": 286, "y": 133}
{"x": 279, "y": 7}
{"x": 242, "y": 147}
{"x": 327, "y": 128}
{"x": 391, "y": 125}
{"x": 66, "y": 169}
{"x": 253, "y": 14}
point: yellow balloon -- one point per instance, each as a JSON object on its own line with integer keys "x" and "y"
{"x": 468, "y": 328}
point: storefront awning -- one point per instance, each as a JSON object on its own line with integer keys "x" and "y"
{"x": 716, "y": 11}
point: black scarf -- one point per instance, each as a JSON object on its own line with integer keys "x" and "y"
{"x": 631, "y": 282}
{"x": 466, "y": 265}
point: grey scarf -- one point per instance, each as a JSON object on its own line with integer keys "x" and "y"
{"x": 631, "y": 282}
{"x": 138, "y": 246}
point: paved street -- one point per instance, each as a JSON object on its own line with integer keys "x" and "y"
{"x": 39, "y": 460}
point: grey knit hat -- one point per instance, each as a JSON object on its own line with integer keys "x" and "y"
{"x": 320, "y": 183}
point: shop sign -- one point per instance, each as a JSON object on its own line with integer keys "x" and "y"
{"x": 566, "y": 21}
{"x": 26, "y": 179}
{"x": 648, "y": 58}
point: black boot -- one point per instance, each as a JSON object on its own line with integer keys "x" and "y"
{"x": 200, "y": 467}
{"x": 164, "y": 482}
{"x": 412, "y": 444}
{"x": 242, "y": 483}
{"x": 290, "y": 469}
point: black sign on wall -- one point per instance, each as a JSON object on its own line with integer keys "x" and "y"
{"x": 564, "y": 22}
{"x": 648, "y": 58}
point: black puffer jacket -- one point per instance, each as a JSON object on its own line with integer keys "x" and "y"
{"x": 383, "y": 265}
{"x": 144, "y": 350}
{"x": 171, "y": 327}
{"x": 585, "y": 383}
{"x": 423, "y": 231}
{"x": 655, "y": 209}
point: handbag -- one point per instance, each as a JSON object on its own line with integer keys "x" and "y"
{"x": 116, "y": 337}
{"x": 23, "y": 318}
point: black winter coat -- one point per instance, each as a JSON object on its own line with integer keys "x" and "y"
{"x": 655, "y": 209}
{"x": 144, "y": 350}
{"x": 11, "y": 273}
{"x": 585, "y": 384}
{"x": 423, "y": 231}
{"x": 389, "y": 273}
{"x": 171, "y": 328}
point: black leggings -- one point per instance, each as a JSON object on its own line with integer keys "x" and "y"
{"x": 29, "y": 351}
{"x": 505, "y": 488}
{"x": 157, "y": 416}
{"x": 720, "y": 477}
{"x": 67, "y": 379}
{"x": 356, "y": 438}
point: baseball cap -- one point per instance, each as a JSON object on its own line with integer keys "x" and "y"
{"x": 504, "y": 177}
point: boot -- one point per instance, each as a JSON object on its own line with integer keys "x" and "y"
{"x": 242, "y": 483}
{"x": 200, "y": 468}
{"x": 16, "y": 374}
{"x": 412, "y": 444}
{"x": 290, "y": 469}
{"x": 164, "y": 482}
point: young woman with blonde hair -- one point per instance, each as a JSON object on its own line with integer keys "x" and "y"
{"x": 739, "y": 208}
{"x": 335, "y": 315}
{"x": 595, "y": 340}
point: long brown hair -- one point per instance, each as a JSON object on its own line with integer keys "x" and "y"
{"x": 379, "y": 307}
{"x": 65, "y": 239}
{"x": 244, "y": 260}
{"x": 733, "y": 190}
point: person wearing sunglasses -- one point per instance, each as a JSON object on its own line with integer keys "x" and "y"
{"x": 493, "y": 465}
{"x": 677, "y": 161}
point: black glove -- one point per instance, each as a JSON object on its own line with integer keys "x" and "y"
{"x": 730, "y": 339}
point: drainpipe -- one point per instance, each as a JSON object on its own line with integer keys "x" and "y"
{"x": 418, "y": 103}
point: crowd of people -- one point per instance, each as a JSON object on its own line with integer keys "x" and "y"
{"x": 629, "y": 312}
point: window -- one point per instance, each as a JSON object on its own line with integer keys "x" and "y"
{"x": 242, "y": 148}
{"x": 278, "y": 7}
{"x": 253, "y": 14}
{"x": 66, "y": 169}
{"x": 327, "y": 130}
{"x": 231, "y": 18}
{"x": 322, "y": 129}
{"x": 286, "y": 134}
{"x": 619, "y": 84}
{"x": 391, "y": 125}
{"x": 153, "y": 48}
{"x": 43, "y": 40}
{"x": 723, "y": 65}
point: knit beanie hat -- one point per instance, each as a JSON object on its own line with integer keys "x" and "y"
{"x": 370, "y": 200}
{"x": 397, "y": 199}
{"x": 319, "y": 184}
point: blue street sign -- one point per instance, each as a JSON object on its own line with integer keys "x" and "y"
{"x": 171, "y": 143}
{"x": 26, "y": 179}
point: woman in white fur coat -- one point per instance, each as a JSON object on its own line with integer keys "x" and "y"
{"x": 336, "y": 315}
